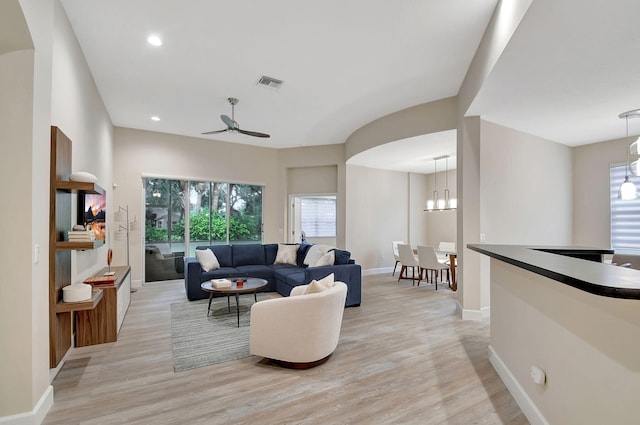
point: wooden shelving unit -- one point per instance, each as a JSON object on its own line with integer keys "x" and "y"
{"x": 60, "y": 221}
{"x": 79, "y": 246}
{"x": 90, "y": 304}
{"x": 72, "y": 186}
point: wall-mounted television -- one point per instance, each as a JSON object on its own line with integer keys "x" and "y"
{"x": 92, "y": 213}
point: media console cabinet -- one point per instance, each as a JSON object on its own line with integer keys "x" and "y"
{"x": 102, "y": 323}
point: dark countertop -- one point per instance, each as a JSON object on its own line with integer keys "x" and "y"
{"x": 557, "y": 263}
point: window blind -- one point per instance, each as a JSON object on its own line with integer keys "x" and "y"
{"x": 318, "y": 217}
{"x": 625, "y": 215}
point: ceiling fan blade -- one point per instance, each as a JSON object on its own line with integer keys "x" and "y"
{"x": 228, "y": 121}
{"x": 253, "y": 133}
{"x": 216, "y": 131}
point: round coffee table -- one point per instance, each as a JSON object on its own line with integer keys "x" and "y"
{"x": 251, "y": 284}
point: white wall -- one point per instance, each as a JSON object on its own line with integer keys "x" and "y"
{"x": 141, "y": 154}
{"x": 522, "y": 202}
{"x": 591, "y": 211}
{"x": 526, "y": 185}
{"x": 17, "y": 290}
{"x": 43, "y": 91}
{"x": 377, "y": 213}
{"x": 77, "y": 109}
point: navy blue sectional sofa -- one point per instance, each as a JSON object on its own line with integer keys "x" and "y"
{"x": 257, "y": 260}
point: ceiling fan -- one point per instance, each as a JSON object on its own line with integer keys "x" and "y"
{"x": 232, "y": 125}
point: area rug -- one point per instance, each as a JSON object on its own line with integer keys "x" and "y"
{"x": 199, "y": 340}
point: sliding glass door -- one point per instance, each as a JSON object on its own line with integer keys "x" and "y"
{"x": 164, "y": 229}
{"x": 218, "y": 213}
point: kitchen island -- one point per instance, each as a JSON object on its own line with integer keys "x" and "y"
{"x": 565, "y": 333}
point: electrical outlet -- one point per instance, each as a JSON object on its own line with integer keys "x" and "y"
{"x": 483, "y": 237}
{"x": 538, "y": 376}
{"x": 36, "y": 254}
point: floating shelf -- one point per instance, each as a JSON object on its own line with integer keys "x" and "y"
{"x": 79, "y": 186}
{"x": 90, "y": 304}
{"x": 79, "y": 246}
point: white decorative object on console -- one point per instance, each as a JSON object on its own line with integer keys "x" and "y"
{"x": 76, "y": 292}
{"x": 83, "y": 176}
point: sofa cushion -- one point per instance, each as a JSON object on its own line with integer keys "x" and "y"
{"x": 250, "y": 254}
{"x": 256, "y": 270}
{"x": 287, "y": 254}
{"x": 342, "y": 256}
{"x": 220, "y": 273}
{"x": 207, "y": 259}
{"x": 270, "y": 252}
{"x": 281, "y": 271}
{"x": 326, "y": 260}
{"x": 295, "y": 279}
{"x": 222, "y": 252}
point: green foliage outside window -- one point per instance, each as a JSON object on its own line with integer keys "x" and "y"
{"x": 241, "y": 227}
{"x": 169, "y": 199}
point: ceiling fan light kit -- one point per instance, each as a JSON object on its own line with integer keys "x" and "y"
{"x": 232, "y": 125}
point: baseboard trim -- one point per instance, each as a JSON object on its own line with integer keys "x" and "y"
{"x": 474, "y": 315}
{"x": 527, "y": 406}
{"x": 382, "y": 270}
{"x": 136, "y": 284}
{"x": 37, "y": 414}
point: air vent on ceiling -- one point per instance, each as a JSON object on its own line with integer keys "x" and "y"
{"x": 270, "y": 82}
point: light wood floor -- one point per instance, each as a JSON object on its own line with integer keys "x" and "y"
{"x": 403, "y": 358}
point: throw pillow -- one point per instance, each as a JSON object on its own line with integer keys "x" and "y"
{"x": 326, "y": 260}
{"x": 314, "y": 253}
{"x": 286, "y": 254}
{"x": 327, "y": 280}
{"x": 207, "y": 259}
{"x": 316, "y": 287}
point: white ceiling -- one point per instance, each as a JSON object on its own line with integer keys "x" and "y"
{"x": 570, "y": 69}
{"x": 414, "y": 154}
{"x": 567, "y": 73}
{"x": 344, "y": 63}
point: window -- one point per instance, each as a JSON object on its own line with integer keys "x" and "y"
{"x": 625, "y": 215}
{"x": 181, "y": 215}
{"x": 318, "y": 216}
{"x": 223, "y": 213}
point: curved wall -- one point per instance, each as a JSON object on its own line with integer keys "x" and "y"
{"x": 426, "y": 118}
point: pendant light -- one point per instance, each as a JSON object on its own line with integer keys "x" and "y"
{"x": 433, "y": 202}
{"x": 436, "y": 203}
{"x": 627, "y": 189}
{"x": 450, "y": 203}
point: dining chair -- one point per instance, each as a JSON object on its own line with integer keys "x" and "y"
{"x": 396, "y": 256}
{"x": 428, "y": 261}
{"x": 408, "y": 259}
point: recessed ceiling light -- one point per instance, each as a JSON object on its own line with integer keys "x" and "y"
{"x": 154, "y": 40}
{"x": 155, "y": 118}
